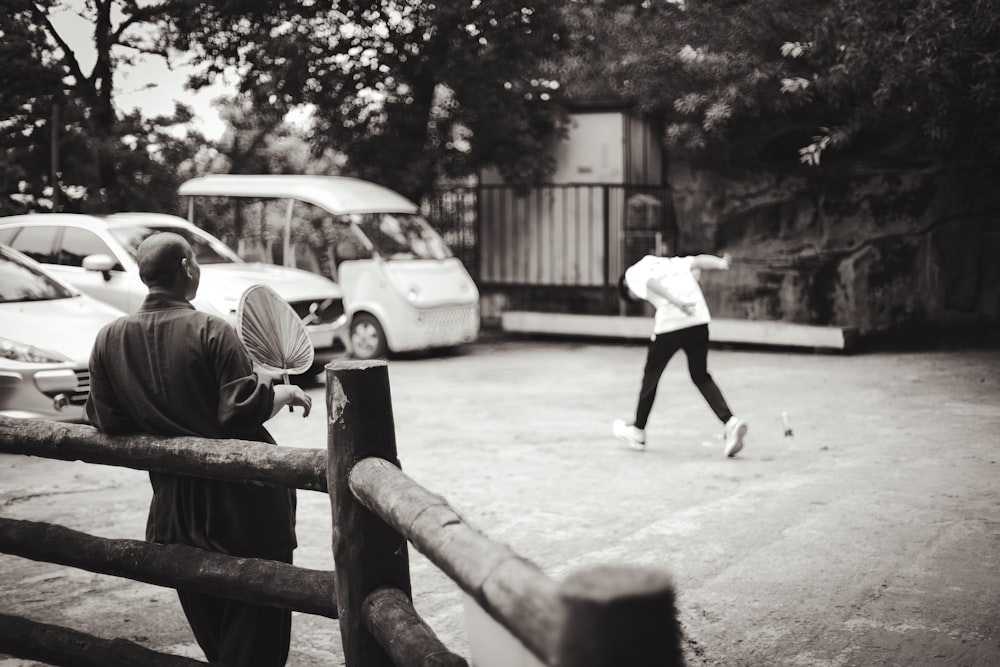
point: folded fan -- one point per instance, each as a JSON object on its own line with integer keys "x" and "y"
{"x": 272, "y": 333}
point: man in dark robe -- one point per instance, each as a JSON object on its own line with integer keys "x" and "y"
{"x": 171, "y": 370}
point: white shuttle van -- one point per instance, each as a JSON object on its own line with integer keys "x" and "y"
{"x": 403, "y": 288}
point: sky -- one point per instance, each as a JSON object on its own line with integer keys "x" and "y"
{"x": 150, "y": 86}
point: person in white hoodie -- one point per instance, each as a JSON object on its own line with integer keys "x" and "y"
{"x": 670, "y": 284}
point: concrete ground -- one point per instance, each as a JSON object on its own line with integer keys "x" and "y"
{"x": 870, "y": 536}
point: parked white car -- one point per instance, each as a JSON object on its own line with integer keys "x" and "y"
{"x": 47, "y": 329}
{"x": 96, "y": 254}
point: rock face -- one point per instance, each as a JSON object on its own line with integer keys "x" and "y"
{"x": 872, "y": 251}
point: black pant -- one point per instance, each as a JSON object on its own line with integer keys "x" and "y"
{"x": 239, "y": 634}
{"x": 694, "y": 342}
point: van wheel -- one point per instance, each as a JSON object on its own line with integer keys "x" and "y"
{"x": 367, "y": 337}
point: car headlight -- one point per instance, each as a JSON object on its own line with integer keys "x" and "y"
{"x": 16, "y": 351}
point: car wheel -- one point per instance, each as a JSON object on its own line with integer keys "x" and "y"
{"x": 367, "y": 337}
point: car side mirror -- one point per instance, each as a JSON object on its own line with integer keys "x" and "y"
{"x": 99, "y": 262}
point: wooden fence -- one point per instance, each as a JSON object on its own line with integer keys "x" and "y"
{"x": 599, "y": 617}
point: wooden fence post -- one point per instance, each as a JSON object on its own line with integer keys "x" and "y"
{"x": 619, "y": 616}
{"x": 367, "y": 553}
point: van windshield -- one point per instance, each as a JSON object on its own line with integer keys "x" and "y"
{"x": 401, "y": 236}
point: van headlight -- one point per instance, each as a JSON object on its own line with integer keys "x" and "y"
{"x": 26, "y": 353}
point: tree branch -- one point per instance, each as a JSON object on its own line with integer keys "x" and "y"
{"x": 69, "y": 57}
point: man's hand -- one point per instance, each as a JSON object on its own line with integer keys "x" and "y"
{"x": 302, "y": 399}
{"x": 290, "y": 394}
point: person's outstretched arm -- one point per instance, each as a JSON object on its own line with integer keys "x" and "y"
{"x": 712, "y": 262}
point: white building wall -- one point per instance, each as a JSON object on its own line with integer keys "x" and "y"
{"x": 594, "y": 151}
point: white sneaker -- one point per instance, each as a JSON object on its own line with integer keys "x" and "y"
{"x": 632, "y": 436}
{"x": 736, "y": 430}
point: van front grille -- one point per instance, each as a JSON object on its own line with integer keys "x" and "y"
{"x": 447, "y": 318}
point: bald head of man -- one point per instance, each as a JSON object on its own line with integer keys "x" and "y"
{"x": 167, "y": 265}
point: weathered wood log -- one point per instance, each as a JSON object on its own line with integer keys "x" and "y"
{"x": 389, "y": 615}
{"x": 226, "y": 459}
{"x": 64, "y": 647}
{"x": 175, "y": 566}
{"x": 367, "y": 553}
{"x": 511, "y": 589}
{"x": 619, "y": 616}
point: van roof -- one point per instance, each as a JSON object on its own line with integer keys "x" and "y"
{"x": 336, "y": 194}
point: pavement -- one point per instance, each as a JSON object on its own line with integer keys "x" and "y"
{"x": 870, "y": 535}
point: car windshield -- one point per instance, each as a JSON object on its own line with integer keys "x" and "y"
{"x": 21, "y": 282}
{"x": 401, "y": 236}
{"x": 207, "y": 248}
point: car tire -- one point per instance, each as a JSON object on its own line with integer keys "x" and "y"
{"x": 367, "y": 337}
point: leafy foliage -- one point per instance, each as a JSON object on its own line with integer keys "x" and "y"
{"x": 64, "y": 144}
{"x": 914, "y": 80}
{"x": 405, "y": 92}
{"x": 28, "y": 80}
{"x": 909, "y": 82}
{"x": 400, "y": 87}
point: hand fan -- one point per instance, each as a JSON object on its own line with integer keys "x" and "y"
{"x": 273, "y": 335}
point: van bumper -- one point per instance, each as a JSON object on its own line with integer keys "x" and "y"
{"x": 442, "y": 326}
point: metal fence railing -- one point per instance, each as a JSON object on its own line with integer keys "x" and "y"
{"x": 569, "y": 235}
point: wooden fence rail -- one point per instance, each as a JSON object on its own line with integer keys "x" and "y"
{"x": 56, "y": 645}
{"x": 234, "y": 460}
{"x": 596, "y": 618}
{"x": 175, "y": 566}
{"x": 508, "y": 587}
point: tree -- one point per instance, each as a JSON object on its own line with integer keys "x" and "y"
{"x": 407, "y": 90}
{"x": 263, "y": 141}
{"x": 63, "y": 132}
{"x": 29, "y": 83}
{"x": 152, "y": 156}
{"x": 771, "y": 80}
{"x": 914, "y": 80}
